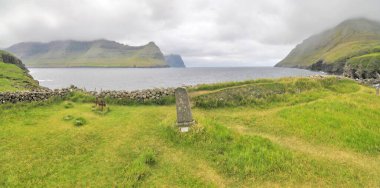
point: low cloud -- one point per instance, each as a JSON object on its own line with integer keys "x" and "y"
{"x": 204, "y": 32}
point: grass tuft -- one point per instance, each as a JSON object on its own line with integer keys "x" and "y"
{"x": 68, "y": 105}
{"x": 80, "y": 121}
{"x": 68, "y": 117}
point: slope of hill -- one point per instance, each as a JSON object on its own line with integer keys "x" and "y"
{"x": 98, "y": 53}
{"x": 331, "y": 50}
{"x": 13, "y": 74}
{"x": 290, "y": 132}
{"x": 174, "y": 60}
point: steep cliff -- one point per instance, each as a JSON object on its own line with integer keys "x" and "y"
{"x": 174, "y": 60}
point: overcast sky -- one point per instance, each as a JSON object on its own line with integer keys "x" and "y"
{"x": 204, "y": 32}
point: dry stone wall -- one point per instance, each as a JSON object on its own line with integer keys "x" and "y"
{"x": 140, "y": 95}
{"x": 30, "y": 96}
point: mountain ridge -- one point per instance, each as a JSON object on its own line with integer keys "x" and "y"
{"x": 332, "y": 50}
{"x": 96, "y": 53}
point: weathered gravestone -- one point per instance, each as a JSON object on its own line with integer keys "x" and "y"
{"x": 184, "y": 115}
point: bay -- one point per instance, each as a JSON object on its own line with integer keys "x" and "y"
{"x": 147, "y": 78}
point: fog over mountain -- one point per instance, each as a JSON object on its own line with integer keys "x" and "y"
{"x": 203, "y": 32}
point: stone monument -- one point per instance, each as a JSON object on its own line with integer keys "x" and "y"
{"x": 184, "y": 115}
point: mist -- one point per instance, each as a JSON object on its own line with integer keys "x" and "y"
{"x": 203, "y": 32}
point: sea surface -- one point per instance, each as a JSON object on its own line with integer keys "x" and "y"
{"x": 146, "y": 78}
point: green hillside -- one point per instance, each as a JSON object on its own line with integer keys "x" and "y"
{"x": 329, "y": 51}
{"x": 291, "y": 132}
{"x": 99, "y": 53}
{"x": 13, "y": 75}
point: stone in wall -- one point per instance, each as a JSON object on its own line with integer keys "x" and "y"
{"x": 140, "y": 95}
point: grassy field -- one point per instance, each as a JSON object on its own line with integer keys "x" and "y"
{"x": 266, "y": 133}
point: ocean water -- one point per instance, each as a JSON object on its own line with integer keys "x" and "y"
{"x": 146, "y": 78}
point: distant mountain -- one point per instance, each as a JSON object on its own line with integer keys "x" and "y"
{"x": 98, "y": 53}
{"x": 352, "y": 48}
{"x": 174, "y": 60}
{"x": 13, "y": 74}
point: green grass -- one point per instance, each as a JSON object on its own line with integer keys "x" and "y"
{"x": 368, "y": 62}
{"x": 322, "y": 133}
{"x": 208, "y": 87}
{"x": 266, "y": 94}
{"x": 13, "y": 78}
{"x": 366, "y": 66}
